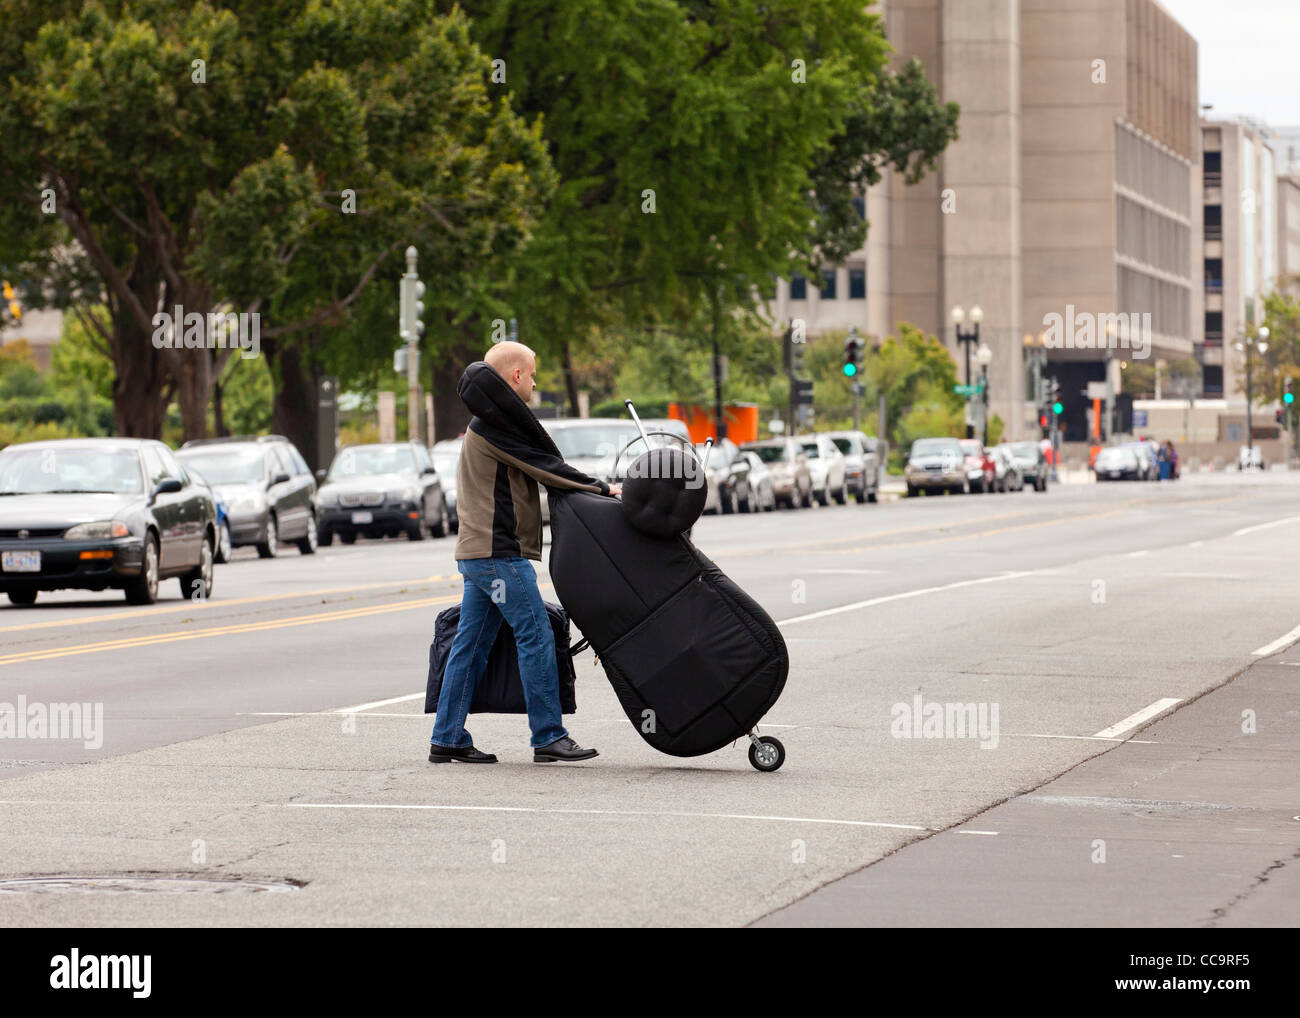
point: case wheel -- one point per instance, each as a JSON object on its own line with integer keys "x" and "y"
{"x": 766, "y": 753}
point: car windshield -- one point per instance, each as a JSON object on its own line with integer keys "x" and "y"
{"x": 364, "y": 460}
{"x": 769, "y": 453}
{"x": 595, "y": 441}
{"x": 935, "y": 447}
{"x": 225, "y": 466}
{"x": 970, "y": 448}
{"x": 56, "y": 470}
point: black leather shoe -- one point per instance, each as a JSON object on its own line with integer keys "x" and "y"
{"x": 442, "y": 754}
{"x": 562, "y": 750}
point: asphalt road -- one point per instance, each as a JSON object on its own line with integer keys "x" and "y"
{"x": 274, "y": 734}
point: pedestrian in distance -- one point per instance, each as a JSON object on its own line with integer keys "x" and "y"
{"x": 504, "y": 456}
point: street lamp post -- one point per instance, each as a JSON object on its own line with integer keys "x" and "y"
{"x": 968, "y": 338}
{"x": 1245, "y": 346}
{"x": 985, "y": 357}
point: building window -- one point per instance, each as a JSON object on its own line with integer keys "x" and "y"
{"x": 860, "y": 206}
{"x": 828, "y": 284}
{"x": 798, "y": 288}
{"x": 1212, "y": 381}
{"x": 857, "y": 284}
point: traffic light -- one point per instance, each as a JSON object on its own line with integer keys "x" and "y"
{"x": 853, "y": 347}
{"x": 11, "y": 299}
{"x": 796, "y": 357}
{"x": 1058, "y": 407}
{"x": 412, "y": 308}
{"x": 1288, "y": 397}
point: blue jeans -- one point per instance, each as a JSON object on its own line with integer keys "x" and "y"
{"x": 497, "y": 588}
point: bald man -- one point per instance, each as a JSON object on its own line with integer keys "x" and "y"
{"x": 506, "y": 453}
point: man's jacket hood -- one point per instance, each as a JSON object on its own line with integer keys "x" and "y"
{"x": 499, "y": 408}
{"x": 505, "y": 455}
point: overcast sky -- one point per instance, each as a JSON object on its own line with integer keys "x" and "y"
{"x": 1250, "y": 55}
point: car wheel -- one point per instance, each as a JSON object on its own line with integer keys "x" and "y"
{"x": 806, "y": 499}
{"x": 746, "y": 505}
{"x": 824, "y": 496}
{"x": 842, "y": 496}
{"x": 271, "y": 546}
{"x": 348, "y": 536}
{"x": 418, "y": 530}
{"x": 873, "y": 495}
{"x": 196, "y": 585}
{"x": 325, "y": 538}
{"x": 307, "y": 545}
{"x": 224, "y": 546}
{"x": 443, "y": 527}
{"x": 143, "y": 589}
{"x": 23, "y": 597}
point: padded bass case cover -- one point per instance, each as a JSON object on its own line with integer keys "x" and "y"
{"x": 499, "y": 690}
{"x": 675, "y": 635}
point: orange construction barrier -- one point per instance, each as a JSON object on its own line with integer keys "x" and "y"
{"x": 741, "y": 418}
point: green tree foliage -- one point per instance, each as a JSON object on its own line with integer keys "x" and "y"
{"x": 702, "y": 148}
{"x": 208, "y": 155}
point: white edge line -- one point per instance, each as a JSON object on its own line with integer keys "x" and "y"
{"x": 899, "y": 597}
{"x": 604, "y": 812}
{"x": 1265, "y": 526}
{"x": 1282, "y": 641}
{"x": 1133, "y": 720}
{"x": 376, "y": 703}
{"x": 1088, "y": 738}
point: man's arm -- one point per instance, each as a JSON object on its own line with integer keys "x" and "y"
{"x": 543, "y": 467}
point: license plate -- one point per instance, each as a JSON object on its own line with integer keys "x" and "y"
{"x": 363, "y": 518}
{"x": 21, "y": 561}
{"x": 1114, "y": 473}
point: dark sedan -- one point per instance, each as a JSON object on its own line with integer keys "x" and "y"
{"x": 382, "y": 491}
{"x": 100, "y": 513}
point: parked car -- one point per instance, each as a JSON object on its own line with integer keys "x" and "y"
{"x": 762, "y": 497}
{"x": 590, "y": 444}
{"x": 101, "y": 513}
{"x": 446, "y": 460}
{"x": 381, "y": 491}
{"x": 224, "y": 547}
{"x": 788, "y": 466}
{"x": 728, "y": 476}
{"x": 267, "y": 486}
{"x": 1006, "y": 470}
{"x": 936, "y": 464}
{"x": 1032, "y": 461}
{"x": 1149, "y": 455}
{"x": 830, "y": 478}
{"x": 1116, "y": 463}
{"x": 979, "y": 465}
{"x": 861, "y": 463}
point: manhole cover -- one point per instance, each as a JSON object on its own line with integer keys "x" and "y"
{"x": 141, "y": 884}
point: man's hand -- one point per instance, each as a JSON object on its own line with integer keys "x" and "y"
{"x": 615, "y": 490}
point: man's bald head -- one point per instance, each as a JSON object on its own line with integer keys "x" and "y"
{"x": 517, "y": 364}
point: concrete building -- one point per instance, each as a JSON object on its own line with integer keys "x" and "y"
{"x": 1070, "y": 192}
{"x": 1241, "y": 246}
{"x": 1288, "y": 234}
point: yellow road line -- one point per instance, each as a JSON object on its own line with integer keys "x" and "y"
{"x": 191, "y": 606}
{"x": 231, "y": 630}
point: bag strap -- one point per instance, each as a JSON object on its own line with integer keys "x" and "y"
{"x": 580, "y": 646}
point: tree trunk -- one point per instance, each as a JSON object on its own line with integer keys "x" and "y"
{"x": 450, "y": 415}
{"x": 295, "y": 382}
{"x": 194, "y": 386}
{"x": 140, "y": 375}
{"x": 570, "y": 382}
{"x": 218, "y": 411}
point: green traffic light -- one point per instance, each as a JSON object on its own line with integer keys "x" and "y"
{"x": 1289, "y": 398}
{"x": 1058, "y": 408}
{"x": 850, "y": 370}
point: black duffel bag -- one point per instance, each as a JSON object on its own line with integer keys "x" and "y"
{"x": 500, "y": 690}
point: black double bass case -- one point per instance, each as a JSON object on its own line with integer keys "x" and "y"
{"x": 694, "y": 660}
